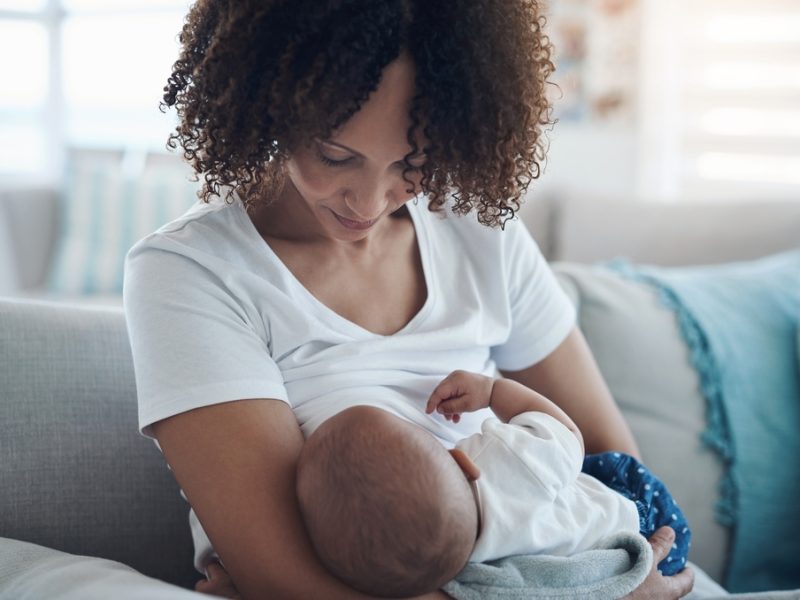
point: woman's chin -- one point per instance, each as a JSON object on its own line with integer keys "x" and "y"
{"x": 347, "y": 230}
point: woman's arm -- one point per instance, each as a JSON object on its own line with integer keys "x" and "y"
{"x": 235, "y": 462}
{"x": 569, "y": 376}
{"x": 661, "y": 587}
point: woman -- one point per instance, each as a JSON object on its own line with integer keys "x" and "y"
{"x": 320, "y": 285}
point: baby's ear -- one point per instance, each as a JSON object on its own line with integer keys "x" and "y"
{"x": 469, "y": 468}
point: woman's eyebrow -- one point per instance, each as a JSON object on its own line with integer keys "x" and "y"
{"x": 356, "y": 152}
{"x": 342, "y": 147}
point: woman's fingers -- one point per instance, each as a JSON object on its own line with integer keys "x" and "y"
{"x": 661, "y": 541}
{"x": 683, "y": 582}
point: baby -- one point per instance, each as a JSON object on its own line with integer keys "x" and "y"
{"x": 391, "y": 512}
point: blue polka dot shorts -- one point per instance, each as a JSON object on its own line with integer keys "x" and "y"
{"x": 627, "y": 476}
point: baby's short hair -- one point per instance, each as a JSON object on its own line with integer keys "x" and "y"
{"x": 389, "y": 512}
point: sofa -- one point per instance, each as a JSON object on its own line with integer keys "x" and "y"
{"x": 89, "y": 509}
{"x": 87, "y": 505}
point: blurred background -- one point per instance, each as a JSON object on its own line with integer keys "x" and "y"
{"x": 677, "y": 142}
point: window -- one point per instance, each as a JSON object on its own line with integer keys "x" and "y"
{"x": 86, "y": 73}
{"x": 721, "y": 99}
{"x": 112, "y": 80}
{"x": 25, "y": 101}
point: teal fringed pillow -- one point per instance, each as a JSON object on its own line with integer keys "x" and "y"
{"x": 741, "y": 323}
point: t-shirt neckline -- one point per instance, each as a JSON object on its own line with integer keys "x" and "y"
{"x": 354, "y": 329}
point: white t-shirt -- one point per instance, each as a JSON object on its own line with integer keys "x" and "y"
{"x": 214, "y": 315}
{"x": 534, "y": 498}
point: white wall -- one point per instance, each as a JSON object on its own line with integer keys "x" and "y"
{"x": 590, "y": 158}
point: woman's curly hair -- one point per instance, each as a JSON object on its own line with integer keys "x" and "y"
{"x": 257, "y": 78}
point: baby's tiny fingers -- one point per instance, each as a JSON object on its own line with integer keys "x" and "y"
{"x": 439, "y": 395}
{"x": 454, "y": 405}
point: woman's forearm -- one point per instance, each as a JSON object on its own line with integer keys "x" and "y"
{"x": 236, "y": 463}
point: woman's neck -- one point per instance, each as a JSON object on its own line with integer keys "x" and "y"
{"x": 289, "y": 219}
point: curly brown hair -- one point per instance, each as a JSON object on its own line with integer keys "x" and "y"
{"x": 257, "y": 78}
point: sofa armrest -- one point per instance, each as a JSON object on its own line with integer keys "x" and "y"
{"x": 29, "y": 571}
{"x": 77, "y": 474}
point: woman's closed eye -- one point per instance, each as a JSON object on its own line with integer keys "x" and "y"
{"x": 333, "y": 162}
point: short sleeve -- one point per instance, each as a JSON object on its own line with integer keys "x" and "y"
{"x": 541, "y": 313}
{"x": 194, "y": 343}
{"x": 544, "y": 446}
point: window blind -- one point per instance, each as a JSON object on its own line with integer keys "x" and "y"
{"x": 720, "y": 103}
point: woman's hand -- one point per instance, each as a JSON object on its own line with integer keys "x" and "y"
{"x": 219, "y": 583}
{"x": 656, "y": 586}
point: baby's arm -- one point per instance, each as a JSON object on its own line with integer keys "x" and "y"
{"x": 462, "y": 391}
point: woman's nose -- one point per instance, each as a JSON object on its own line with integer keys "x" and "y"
{"x": 369, "y": 201}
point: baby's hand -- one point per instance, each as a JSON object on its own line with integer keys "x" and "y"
{"x": 459, "y": 392}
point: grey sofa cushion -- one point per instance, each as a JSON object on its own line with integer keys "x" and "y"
{"x": 76, "y": 474}
{"x": 642, "y": 355}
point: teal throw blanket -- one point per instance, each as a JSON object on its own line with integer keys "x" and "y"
{"x": 740, "y": 322}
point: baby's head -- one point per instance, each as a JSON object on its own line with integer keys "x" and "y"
{"x": 388, "y": 509}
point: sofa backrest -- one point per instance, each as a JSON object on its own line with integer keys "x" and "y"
{"x": 76, "y": 474}
{"x": 587, "y": 230}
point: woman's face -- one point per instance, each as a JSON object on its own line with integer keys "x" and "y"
{"x": 343, "y": 188}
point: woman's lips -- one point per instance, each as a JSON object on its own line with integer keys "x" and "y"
{"x": 357, "y": 225}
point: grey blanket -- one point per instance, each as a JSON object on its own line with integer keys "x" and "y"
{"x": 612, "y": 570}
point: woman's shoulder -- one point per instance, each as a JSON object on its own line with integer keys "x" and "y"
{"x": 215, "y": 232}
{"x": 204, "y": 250}
{"x": 201, "y": 225}
{"x": 446, "y": 228}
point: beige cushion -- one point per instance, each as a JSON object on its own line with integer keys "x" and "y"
{"x": 587, "y": 230}
{"x": 640, "y": 351}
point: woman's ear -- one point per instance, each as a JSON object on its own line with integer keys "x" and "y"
{"x": 469, "y": 468}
